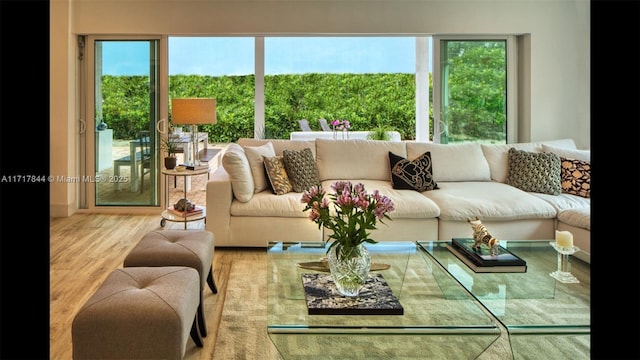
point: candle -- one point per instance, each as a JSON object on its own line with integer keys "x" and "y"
{"x": 564, "y": 239}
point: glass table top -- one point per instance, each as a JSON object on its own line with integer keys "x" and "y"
{"x": 526, "y": 301}
{"x": 428, "y": 304}
{"x": 440, "y": 317}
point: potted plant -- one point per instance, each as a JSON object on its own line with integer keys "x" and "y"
{"x": 354, "y": 213}
{"x": 380, "y": 132}
{"x": 170, "y": 145}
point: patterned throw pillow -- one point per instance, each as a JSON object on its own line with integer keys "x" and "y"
{"x": 534, "y": 172}
{"x": 277, "y": 175}
{"x": 301, "y": 168}
{"x": 576, "y": 177}
{"x": 414, "y": 174}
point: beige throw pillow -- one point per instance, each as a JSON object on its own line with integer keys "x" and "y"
{"x": 235, "y": 162}
{"x": 254, "y": 156}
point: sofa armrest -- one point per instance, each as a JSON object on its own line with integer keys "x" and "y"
{"x": 219, "y": 198}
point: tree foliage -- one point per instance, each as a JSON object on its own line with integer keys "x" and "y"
{"x": 477, "y": 90}
{"x": 477, "y": 107}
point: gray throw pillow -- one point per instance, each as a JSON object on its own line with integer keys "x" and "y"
{"x": 534, "y": 172}
{"x": 301, "y": 168}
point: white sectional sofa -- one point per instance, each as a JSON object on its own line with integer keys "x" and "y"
{"x": 471, "y": 179}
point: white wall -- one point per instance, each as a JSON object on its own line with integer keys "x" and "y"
{"x": 559, "y": 46}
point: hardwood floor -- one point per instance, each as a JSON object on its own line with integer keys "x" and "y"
{"x": 85, "y": 248}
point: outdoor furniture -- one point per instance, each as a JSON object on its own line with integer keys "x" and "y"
{"x": 324, "y": 125}
{"x": 134, "y": 159}
{"x": 304, "y": 125}
{"x": 340, "y": 135}
{"x": 192, "y": 248}
{"x": 139, "y": 313}
{"x": 145, "y": 157}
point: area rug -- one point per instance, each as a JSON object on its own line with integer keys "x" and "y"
{"x": 242, "y": 333}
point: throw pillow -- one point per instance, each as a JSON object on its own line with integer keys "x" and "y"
{"x": 414, "y": 174}
{"x": 277, "y": 175}
{"x": 576, "y": 177}
{"x": 301, "y": 168}
{"x": 254, "y": 155}
{"x": 534, "y": 172}
{"x": 568, "y": 153}
{"x": 235, "y": 162}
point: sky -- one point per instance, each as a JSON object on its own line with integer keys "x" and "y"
{"x": 283, "y": 55}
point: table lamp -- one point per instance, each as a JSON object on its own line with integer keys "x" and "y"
{"x": 193, "y": 112}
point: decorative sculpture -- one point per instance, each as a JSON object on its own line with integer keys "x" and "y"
{"x": 481, "y": 236}
{"x": 184, "y": 205}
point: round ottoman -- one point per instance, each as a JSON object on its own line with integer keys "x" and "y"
{"x": 191, "y": 248}
{"x": 139, "y": 313}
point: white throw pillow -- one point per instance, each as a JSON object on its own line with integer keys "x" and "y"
{"x": 254, "y": 156}
{"x": 236, "y": 164}
{"x": 584, "y": 155}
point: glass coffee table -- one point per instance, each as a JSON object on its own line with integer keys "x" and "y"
{"x": 541, "y": 314}
{"x": 440, "y": 319}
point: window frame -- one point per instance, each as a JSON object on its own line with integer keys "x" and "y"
{"x": 511, "y": 73}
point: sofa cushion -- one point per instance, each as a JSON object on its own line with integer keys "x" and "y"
{"x": 265, "y": 204}
{"x": 576, "y": 217}
{"x": 280, "y": 144}
{"x": 564, "y": 201}
{"x": 301, "y": 168}
{"x": 497, "y": 154}
{"x": 534, "y": 172}
{"x": 453, "y": 162}
{"x": 575, "y": 177}
{"x": 413, "y": 174}
{"x": 489, "y": 201}
{"x": 277, "y": 174}
{"x": 356, "y": 159}
{"x": 408, "y": 204}
{"x": 568, "y": 153}
{"x": 254, "y": 156}
{"x": 237, "y": 166}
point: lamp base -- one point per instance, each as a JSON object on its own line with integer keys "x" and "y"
{"x": 195, "y": 159}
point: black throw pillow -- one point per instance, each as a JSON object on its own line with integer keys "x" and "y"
{"x": 414, "y": 174}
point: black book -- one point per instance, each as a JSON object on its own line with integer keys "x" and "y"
{"x": 481, "y": 256}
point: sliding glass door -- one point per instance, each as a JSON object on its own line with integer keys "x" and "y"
{"x": 122, "y": 115}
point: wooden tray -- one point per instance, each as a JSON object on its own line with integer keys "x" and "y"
{"x": 324, "y": 266}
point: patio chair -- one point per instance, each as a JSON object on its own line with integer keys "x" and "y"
{"x": 325, "y": 125}
{"x": 145, "y": 157}
{"x": 304, "y": 125}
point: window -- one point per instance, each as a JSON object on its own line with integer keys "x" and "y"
{"x": 369, "y": 81}
{"x": 218, "y": 67}
{"x": 473, "y": 80}
{"x": 264, "y": 85}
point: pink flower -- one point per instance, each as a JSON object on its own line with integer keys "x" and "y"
{"x": 355, "y": 211}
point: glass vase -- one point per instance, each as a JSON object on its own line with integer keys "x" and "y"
{"x": 350, "y": 269}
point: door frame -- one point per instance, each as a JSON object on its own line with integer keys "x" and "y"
{"x": 86, "y": 96}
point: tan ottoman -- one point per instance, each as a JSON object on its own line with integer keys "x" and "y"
{"x": 192, "y": 248}
{"x": 139, "y": 313}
